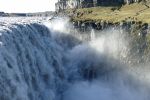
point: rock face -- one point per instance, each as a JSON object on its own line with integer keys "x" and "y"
{"x": 132, "y": 1}
{"x": 61, "y": 5}
{"x": 65, "y": 4}
{"x": 108, "y": 2}
{"x": 137, "y": 32}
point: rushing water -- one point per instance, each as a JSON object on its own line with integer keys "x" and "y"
{"x": 42, "y": 60}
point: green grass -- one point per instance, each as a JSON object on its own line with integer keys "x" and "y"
{"x": 136, "y": 11}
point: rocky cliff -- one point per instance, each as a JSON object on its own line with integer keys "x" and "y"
{"x": 66, "y": 4}
{"x": 133, "y": 19}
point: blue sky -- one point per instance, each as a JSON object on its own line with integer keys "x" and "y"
{"x": 27, "y": 5}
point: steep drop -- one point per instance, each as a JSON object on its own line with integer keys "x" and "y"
{"x": 38, "y": 63}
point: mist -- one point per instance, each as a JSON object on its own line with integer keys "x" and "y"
{"x": 40, "y": 61}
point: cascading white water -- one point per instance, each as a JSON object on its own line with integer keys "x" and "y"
{"x": 92, "y": 34}
{"x": 31, "y": 62}
{"x": 40, "y": 62}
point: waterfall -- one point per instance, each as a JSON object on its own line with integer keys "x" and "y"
{"x": 31, "y": 63}
{"x": 92, "y": 34}
{"x": 38, "y": 62}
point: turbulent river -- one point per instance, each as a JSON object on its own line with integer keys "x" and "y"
{"x": 43, "y": 60}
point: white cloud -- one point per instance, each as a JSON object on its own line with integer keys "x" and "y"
{"x": 27, "y": 5}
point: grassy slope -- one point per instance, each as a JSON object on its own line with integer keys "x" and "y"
{"x": 136, "y": 11}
